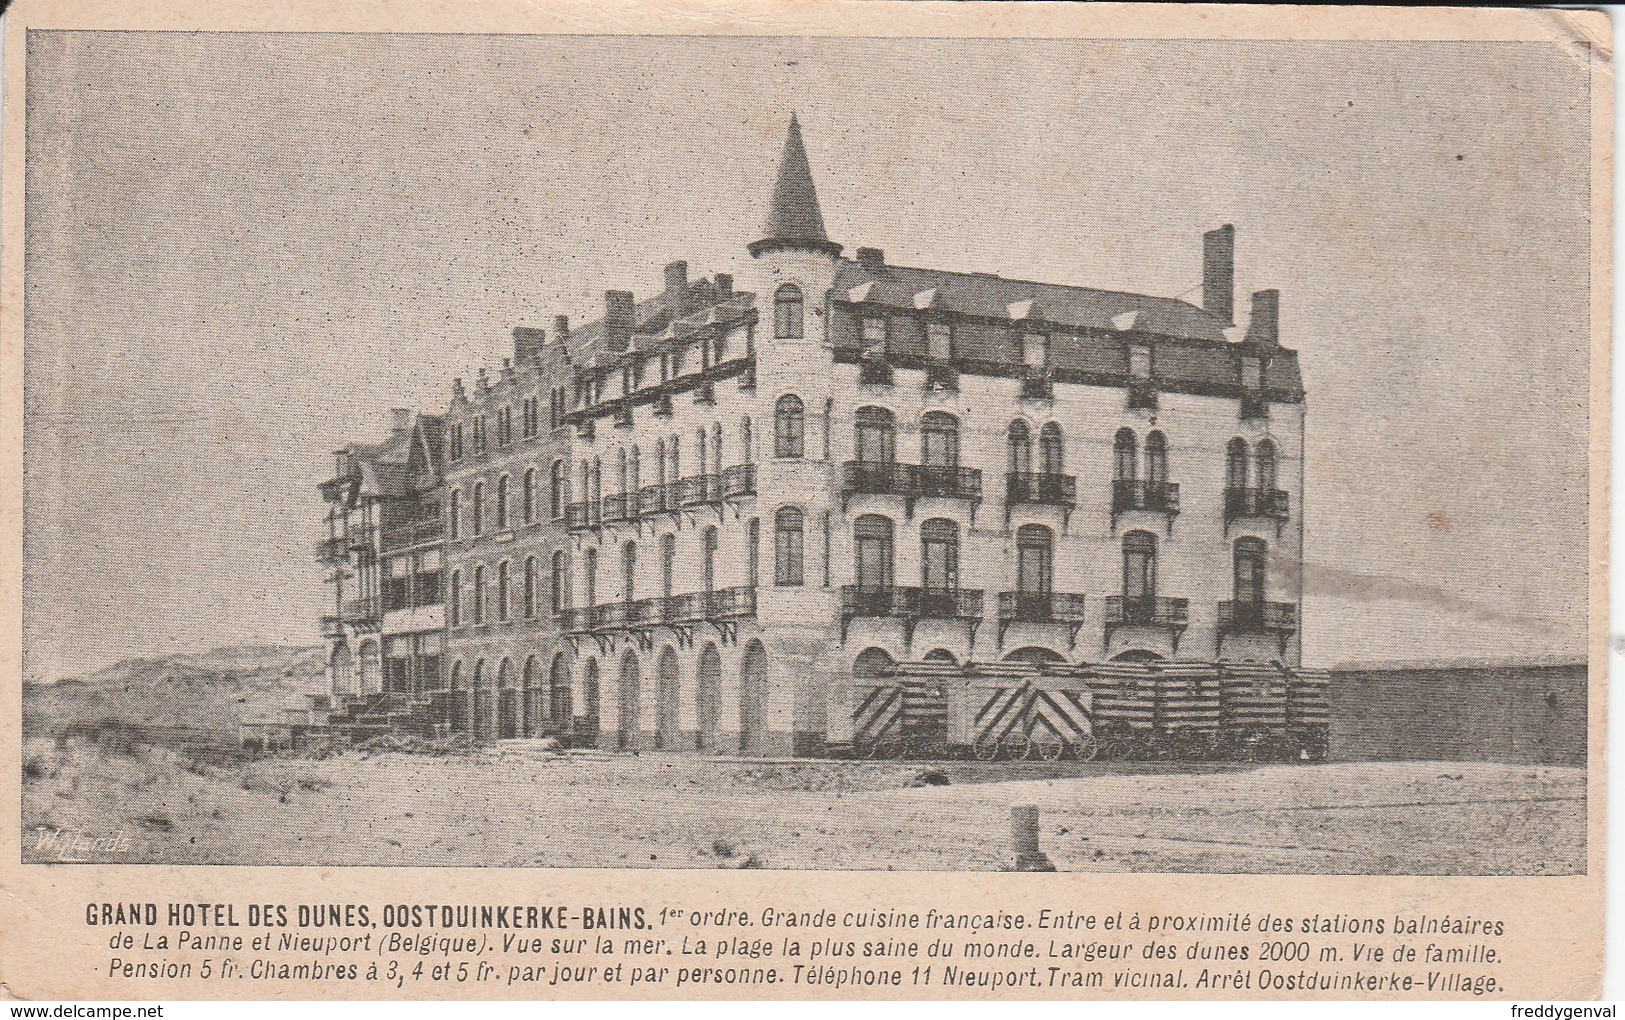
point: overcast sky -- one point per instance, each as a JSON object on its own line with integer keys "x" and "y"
{"x": 244, "y": 248}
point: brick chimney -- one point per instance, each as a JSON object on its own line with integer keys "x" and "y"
{"x": 1264, "y": 327}
{"x": 871, "y": 258}
{"x": 561, "y": 329}
{"x": 400, "y": 419}
{"x": 528, "y": 342}
{"x": 620, "y": 316}
{"x": 725, "y": 285}
{"x": 676, "y": 277}
{"x": 1219, "y": 274}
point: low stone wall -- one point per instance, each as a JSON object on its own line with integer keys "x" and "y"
{"x": 1532, "y": 714}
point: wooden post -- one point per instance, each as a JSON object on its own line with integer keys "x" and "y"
{"x": 1024, "y": 838}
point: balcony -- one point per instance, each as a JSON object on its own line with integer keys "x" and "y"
{"x": 1142, "y": 396}
{"x": 578, "y": 516}
{"x": 411, "y": 533}
{"x": 739, "y": 481}
{"x": 1041, "y": 608}
{"x": 332, "y": 626}
{"x": 911, "y": 603}
{"x": 662, "y": 406}
{"x": 1041, "y": 489}
{"x": 1255, "y": 407}
{"x": 1037, "y": 386}
{"x": 940, "y": 378}
{"x": 910, "y": 481}
{"x": 1147, "y": 611}
{"x": 1250, "y": 617}
{"x": 576, "y": 619}
{"x": 332, "y": 550}
{"x": 584, "y": 429}
{"x": 1269, "y": 504}
{"x": 705, "y": 393}
{"x": 873, "y": 372}
{"x": 621, "y": 506}
{"x": 1150, "y": 497}
{"x": 653, "y": 499}
{"x": 362, "y": 611}
{"x": 699, "y": 490}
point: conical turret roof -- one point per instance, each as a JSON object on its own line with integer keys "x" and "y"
{"x": 794, "y": 220}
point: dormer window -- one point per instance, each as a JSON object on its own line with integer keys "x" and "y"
{"x": 1035, "y": 350}
{"x": 939, "y": 341}
{"x": 1139, "y": 363}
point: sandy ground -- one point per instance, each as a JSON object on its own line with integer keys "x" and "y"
{"x": 518, "y": 805}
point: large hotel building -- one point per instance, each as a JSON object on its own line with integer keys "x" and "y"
{"x": 712, "y": 518}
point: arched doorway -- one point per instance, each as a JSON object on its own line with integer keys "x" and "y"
{"x": 668, "y": 732}
{"x": 708, "y": 696}
{"x": 628, "y": 698}
{"x": 339, "y": 664}
{"x": 530, "y": 700}
{"x": 507, "y": 702}
{"x": 558, "y": 675}
{"x": 480, "y": 699}
{"x": 753, "y": 699}
{"x": 590, "y": 695}
{"x": 371, "y": 667}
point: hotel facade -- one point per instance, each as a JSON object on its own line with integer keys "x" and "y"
{"x": 715, "y": 518}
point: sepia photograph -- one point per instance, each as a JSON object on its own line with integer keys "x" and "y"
{"x": 1130, "y": 456}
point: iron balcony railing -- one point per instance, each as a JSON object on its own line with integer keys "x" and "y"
{"x": 1250, "y": 617}
{"x": 332, "y": 550}
{"x": 693, "y": 607}
{"x": 410, "y": 533}
{"x": 910, "y": 481}
{"x": 576, "y": 619}
{"x": 739, "y": 480}
{"x": 652, "y": 499}
{"x": 620, "y": 506}
{"x": 1041, "y": 488}
{"x": 912, "y": 603}
{"x": 1273, "y": 504}
{"x": 699, "y": 490}
{"x": 1146, "y": 611}
{"x": 1154, "y": 497}
{"x": 729, "y": 603}
{"x": 1040, "y": 607}
{"x": 582, "y": 515}
{"x": 332, "y": 626}
{"x": 362, "y": 610}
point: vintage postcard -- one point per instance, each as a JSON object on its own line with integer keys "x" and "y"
{"x": 816, "y": 500}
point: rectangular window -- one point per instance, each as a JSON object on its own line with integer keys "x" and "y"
{"x": 1139, "y": 362}
{"x": 939, "y": 341}
{"x": 874, "y": 332}
{"x": 1035, "y": 350}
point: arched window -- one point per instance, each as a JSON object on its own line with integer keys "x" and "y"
{"x": 668, "y": 564}
{"x": 939, "y": 439}
{"x": 939, "y": 555}
{"x": 528, "y": 502}
{"x": 454, "y": 604}
{"x": 555, "y": 490}
{"x": 1266, "y": 466}
{"x": 660, "y": 462}
{"x": 1235, "y": 464}
{"x": 1035, "y": 562}
{"x": 633, "y": 479}
{"x": 876, "y": 436}
{"x": 1051, "y": 451}
{"x": 716, "y": 447}
{"x": 476, "y": 521}
{"x": 708, "y": 550}
{"x": 788, "y": 546}
{"x": 1139, "y": 565}
{"x": 530, "y": 588}
{"x": 872, "y": 535}
{"x": 754, "y": 554}
{"x": 1125, "y": 456}
{"x": 789, "y": 427}
{"x": 674, "y": 450}
{"x": 629, "y": 571}
{"x": 596, "y": 495}
{"x": 1249, "y": 564}
{"x": 747, "y": 449}
{"x": 1156, "y": 458}
{"x": 560, "y": 583}
{"x": 702, "y": 450}
{"x": 589, "y": 578}
{"x": 502, "y": 590}
{"x": 787, "y": 312}
{"x": 1021, "y": 448}
{"x": 620, "y": 470}
{"x": 502, "y": 503}
{"x": 477, "y": 607}
{"x": 454, "y": 513}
